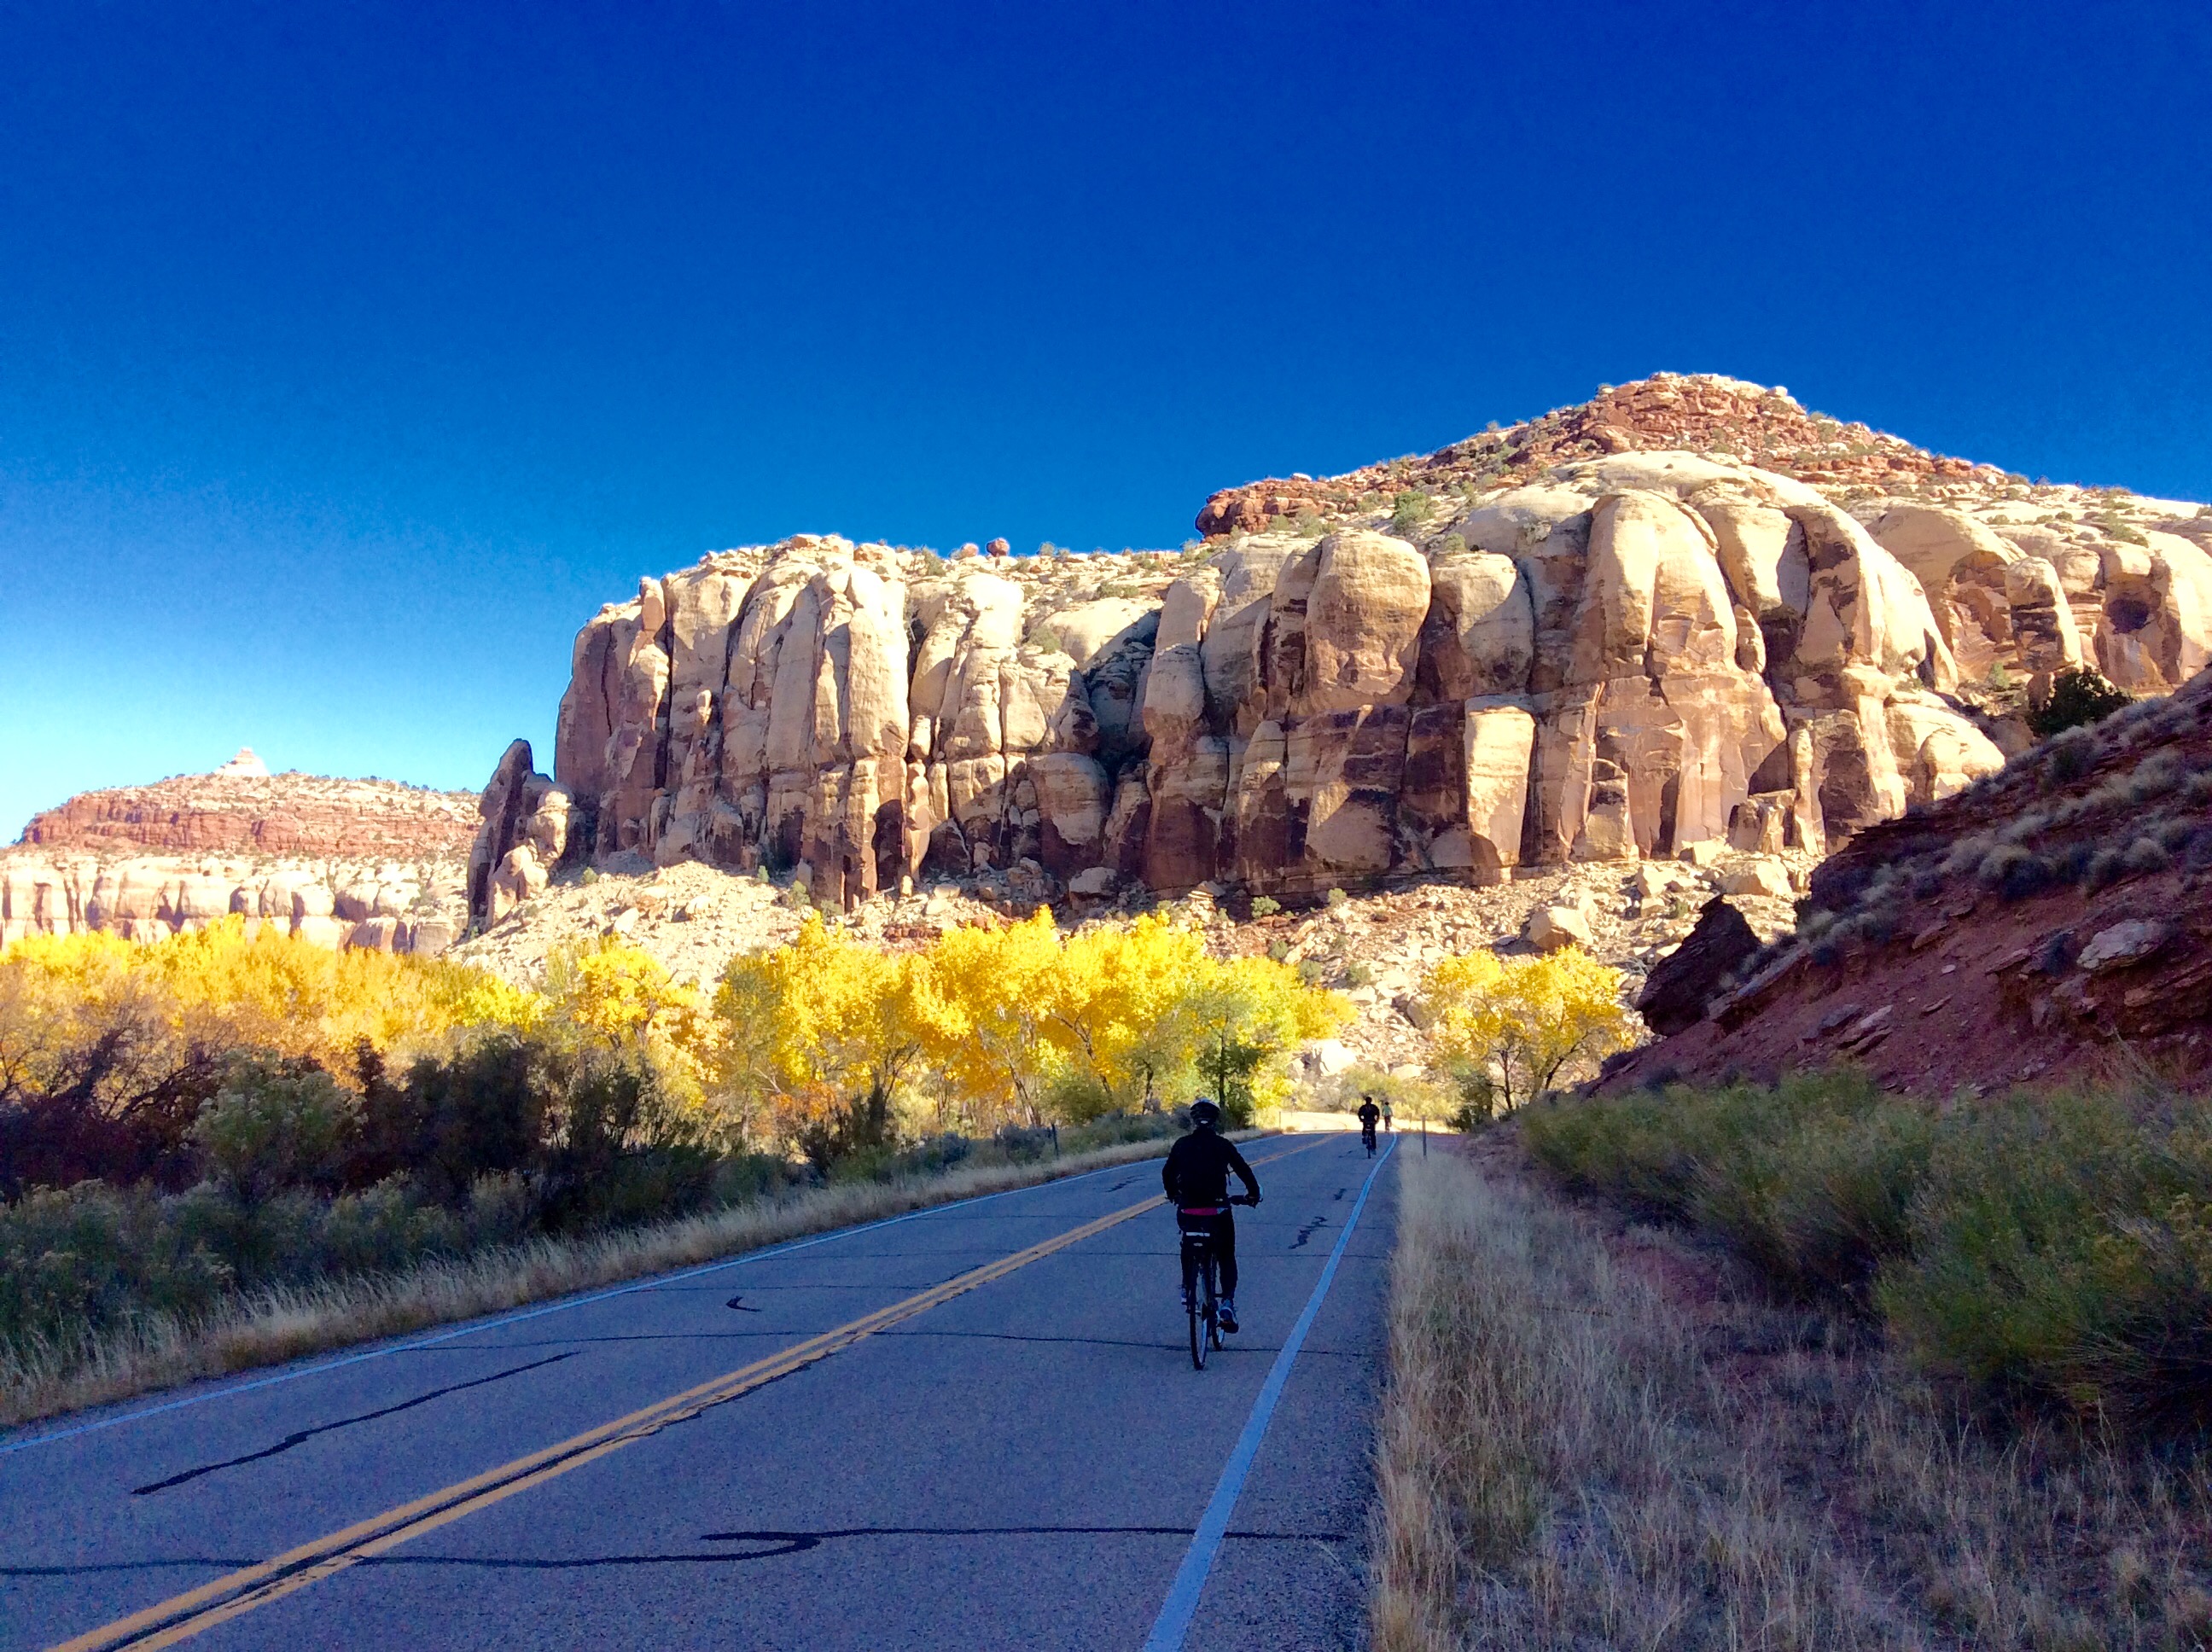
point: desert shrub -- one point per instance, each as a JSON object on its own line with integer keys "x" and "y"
{"x": 75, "y": 1257}
{"x": 1965, "y": 855}
{"x": 2079, "y": 698}
{"x": 2059, "y": 1252}
{"x": 2146, "y": 854}
{"x": 1409, "y": 510}
{"x": 273, "y": 1125}
{"x": 2069, "y": 756}
{"x": 479, "y": 1111}
{"x": 2046, "y": 1251}
{"x": 1265, "y": 906}
{"x": 2013, "y": 871}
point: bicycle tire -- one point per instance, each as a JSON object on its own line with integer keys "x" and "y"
{"x": 1198, "y": 1277}
{"x": 1210, "y": 1290}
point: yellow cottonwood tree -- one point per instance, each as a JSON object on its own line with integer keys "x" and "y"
{"x": 983, "y": 996}
{"x": 1523, "y": 1020}
{"x": 1246, "y": 1014}
{"x": 222, "y": 986}
{"x": 1121, "y": 1016}
{"x": 825, "y": 1029}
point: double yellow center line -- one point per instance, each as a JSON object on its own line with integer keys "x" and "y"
{"x": 193, "y": 1612}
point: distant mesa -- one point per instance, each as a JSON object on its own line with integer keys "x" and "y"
{"x": 340, "y": 862}
{"x": 1689, "y": 611}
{"x": 241, "y": 808}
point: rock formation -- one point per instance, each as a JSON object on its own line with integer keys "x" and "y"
{"x": 338, "y": 862}
{"x": 1681, "y": 984}
{"x": 242, "y": 809}
{"x": 523, "y": 835}
{"x": 1567, "y": 642}
{"x": 2021, "y": 931}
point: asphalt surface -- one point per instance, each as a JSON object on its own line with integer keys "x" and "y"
{"x": 1023, "y": 1464}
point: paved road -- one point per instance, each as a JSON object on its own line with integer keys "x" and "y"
{"x": 1018, "y": 1459}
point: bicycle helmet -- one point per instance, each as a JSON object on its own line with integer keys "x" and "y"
{"x": 1204, "y": 1112}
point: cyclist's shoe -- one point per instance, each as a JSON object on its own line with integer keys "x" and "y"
{"x": 1228, "y": 1317}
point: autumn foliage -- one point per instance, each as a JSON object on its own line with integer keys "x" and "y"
{"x": 1013, "y": 1025}
{"x": 1507, "y": 1029}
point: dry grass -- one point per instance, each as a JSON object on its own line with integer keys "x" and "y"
{"x": 270, "y": 1326}
{"x": 1572, "y": 1456}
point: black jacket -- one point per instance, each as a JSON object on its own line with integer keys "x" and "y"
{"x": 1198, "y": 1167}
{"x": 1369, "y": 1113}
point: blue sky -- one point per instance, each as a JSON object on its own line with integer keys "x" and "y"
{"x": 351, "y": 356}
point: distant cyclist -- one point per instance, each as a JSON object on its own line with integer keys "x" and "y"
{"x": 1196, "y": 1176}
{"x": 1387, "y": 1125}
{"x": 1369, "y": 1113}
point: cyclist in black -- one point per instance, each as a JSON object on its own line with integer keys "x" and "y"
{"x": 1197, "y": 1174}
{"x": 1368, "y": 1113}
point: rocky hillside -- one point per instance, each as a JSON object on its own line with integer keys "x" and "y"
{"x": 2052, "y": 919}
{"x": 242, "y": 809}
{"x": 340, "y": 862}
{"x": 1609, "y": 634}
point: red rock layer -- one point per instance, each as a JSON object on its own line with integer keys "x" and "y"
{"x": 1696, "y": 412}
{"x": 282, "y": 814}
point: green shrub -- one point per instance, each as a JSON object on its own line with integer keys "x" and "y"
{"x": 2059, "y": 1250}
{"x": 273, "y": 1126}
{"x": 2042, "y": 1250}
{"x": 2078, "y": 698}
{"x": 1265, "y": 906}
{"x": 1409, "y": 510}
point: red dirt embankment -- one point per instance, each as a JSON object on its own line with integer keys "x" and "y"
{"x": 2052, "y": 919}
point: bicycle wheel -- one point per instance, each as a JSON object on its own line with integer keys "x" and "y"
{"x": 1207, "y": 1291}
{"x": 1195, "y": 1298}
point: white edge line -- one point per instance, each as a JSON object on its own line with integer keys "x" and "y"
{"x": 650, "y": 1282}
{"x": 1181, "y": 1606}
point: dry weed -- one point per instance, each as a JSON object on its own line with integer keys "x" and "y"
{"x": 269, "y": 1327}
{"x": 1571, "y": 1458}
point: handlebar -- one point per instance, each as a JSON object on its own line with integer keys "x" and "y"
{"x": 1244, "y": 1199}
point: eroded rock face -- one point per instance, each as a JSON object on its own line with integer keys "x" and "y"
{"x": 524, "y": 837}
{"x": 1633, "y": 654}
{"x": 338, "y": 862}
{"x": 410, "y": 907}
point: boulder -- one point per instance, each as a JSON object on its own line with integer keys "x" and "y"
{"x": 2122, "y": 946}
{"x": 1328, "y": 1057}
{"x": 1762, "y": 877}
{"x": 1681, "y": 984}
{"x": 1554, "y": 929}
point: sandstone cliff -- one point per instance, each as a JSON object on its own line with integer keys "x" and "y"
{"x": 241, "y": 808}
{"x": 1561, "y": 643}
{"x": 339, "y": 862}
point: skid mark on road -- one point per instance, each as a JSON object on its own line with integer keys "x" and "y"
{"x": 1309, "y": 1230}
{"x": 301, "y": 1436}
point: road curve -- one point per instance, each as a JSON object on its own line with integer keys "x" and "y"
{"x": 971, "y": 1427}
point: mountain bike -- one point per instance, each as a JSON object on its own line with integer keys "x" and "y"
{"x": 1367, "y": 1139}
{"x": 1200, "y": 1281}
